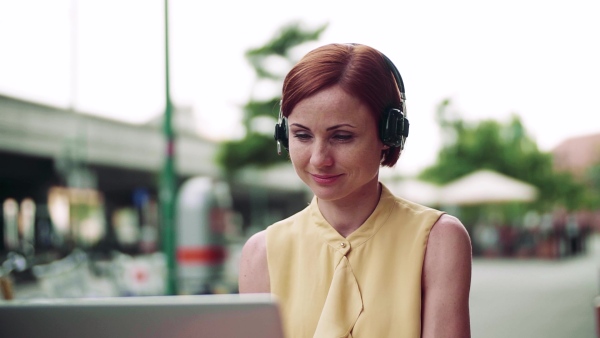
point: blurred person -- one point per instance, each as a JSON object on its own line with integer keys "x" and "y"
{"x": 358, "y": 261}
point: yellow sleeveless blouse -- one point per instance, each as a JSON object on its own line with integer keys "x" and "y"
{"x": 364, "y": 286}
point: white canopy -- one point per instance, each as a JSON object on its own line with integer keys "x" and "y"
{"x": 486, "y": 186}
{"x": 416, "y": 191}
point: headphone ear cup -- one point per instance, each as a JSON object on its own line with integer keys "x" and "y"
{"x": 393, "y": 128}
{"x": 281, "y": 133}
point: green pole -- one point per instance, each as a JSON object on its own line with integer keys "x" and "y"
{"x": 167, "y": 186}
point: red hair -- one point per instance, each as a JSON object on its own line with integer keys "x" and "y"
{"x": 359, "y": 70}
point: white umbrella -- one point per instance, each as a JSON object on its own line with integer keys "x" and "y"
{"x": 416, "y": 191}
{"x": 484, "y": 187}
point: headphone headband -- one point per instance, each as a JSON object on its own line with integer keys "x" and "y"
{"x": 397, "y": 76}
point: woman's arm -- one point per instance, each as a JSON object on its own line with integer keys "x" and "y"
{"x": 254, "y": 270}
{"x": 447, "y": 281}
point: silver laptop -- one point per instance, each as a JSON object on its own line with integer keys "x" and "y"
{"x": 207, "y": 316}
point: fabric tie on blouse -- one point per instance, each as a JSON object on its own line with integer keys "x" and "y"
{"x": 343, "y": 304}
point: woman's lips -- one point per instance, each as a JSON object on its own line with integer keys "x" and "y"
{"x": 325, "y": 179}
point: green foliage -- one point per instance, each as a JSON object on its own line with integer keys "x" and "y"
{"x": 505, "y": 148}
{"x": 285, "y": 40}
{"x": 256, "y": 108}
{"x": 593, "y": 181}
{"x": 593, "y": 177}
{"x": 256, "y": 148}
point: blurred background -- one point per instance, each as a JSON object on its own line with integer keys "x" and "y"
{"x": 136, "y": 148}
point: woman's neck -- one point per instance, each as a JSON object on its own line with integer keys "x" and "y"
{"x": 347, "y": 215}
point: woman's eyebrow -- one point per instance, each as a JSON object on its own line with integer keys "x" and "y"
{"x": 299, "y": 126}
{"x": 337, "y": 126}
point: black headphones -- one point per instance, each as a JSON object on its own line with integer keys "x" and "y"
{"x": 393, "y": 126}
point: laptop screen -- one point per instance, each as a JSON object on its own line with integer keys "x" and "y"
{"x": 223, "y": 316}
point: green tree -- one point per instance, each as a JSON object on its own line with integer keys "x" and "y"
{"x": 592, "y": 180}
{"x": 257, "y": 148}
{"x": 505, "y": 148}
{"x": 593, "y": 177}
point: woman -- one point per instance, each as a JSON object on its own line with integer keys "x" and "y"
{"x": 358, "y": 261}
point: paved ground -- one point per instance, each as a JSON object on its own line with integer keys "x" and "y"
{"x": 536, "y": 298}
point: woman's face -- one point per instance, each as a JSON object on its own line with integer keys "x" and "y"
{"x": 334, "y": 145}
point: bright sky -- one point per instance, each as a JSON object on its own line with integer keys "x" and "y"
{"x": 538, "y": 59}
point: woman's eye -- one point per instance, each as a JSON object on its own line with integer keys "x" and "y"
{"x": 342, "y": 137}
{"x": 302, "y": 137}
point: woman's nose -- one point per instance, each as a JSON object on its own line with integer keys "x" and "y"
{"x": 321, "y": 155}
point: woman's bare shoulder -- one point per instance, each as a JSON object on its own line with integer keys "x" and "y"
{"x": 449, "y": 244}
{"x": 448, "y": 257}
{"x": 257, "y": 243}
{"x": 447, "y": 280}
{"x": 254, "y": 269}
{"x": 449, "y": 231}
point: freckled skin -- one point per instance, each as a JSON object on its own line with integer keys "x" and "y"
{"x": 335, "y": 147}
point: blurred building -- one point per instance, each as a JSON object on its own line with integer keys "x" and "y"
{"x": 45, "y": 143}
{"x": 577, "y": 154}
{"x": 44, "y": 147}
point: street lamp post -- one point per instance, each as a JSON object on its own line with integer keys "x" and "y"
{"x": 167, "y": 183}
